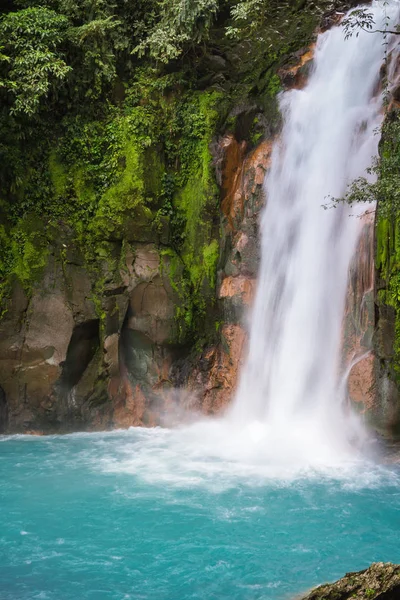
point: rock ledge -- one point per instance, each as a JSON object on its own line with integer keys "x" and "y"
{"x": 381, "y": 581}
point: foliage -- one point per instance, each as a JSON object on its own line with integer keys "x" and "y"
{"x": 275, "y": 24}
{"x": 59, "y": 52}
{"x": 180, "y": 23}
{"x": 34, "y": 65}
{"x": 106, "y": 126}
{"x": 29, "y": 251}
{"x": 196, "y": 205}
{"x": 383, "y": 183}
{"x": 361, "y": 19}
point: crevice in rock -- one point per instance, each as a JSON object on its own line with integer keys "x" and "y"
{"x": 84, "y": 343}
{"x": 3, "y": 411}
{"x": 123, "y": 347}
{"x": 135, "y": 350}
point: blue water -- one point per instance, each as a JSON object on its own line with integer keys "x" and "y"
{"x": 122, "y": 515}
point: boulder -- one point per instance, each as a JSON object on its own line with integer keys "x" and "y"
{"x": 381, "y": 581}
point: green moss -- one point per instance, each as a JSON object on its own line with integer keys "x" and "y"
{"x": 197, "y": 202}
{"x": 83, "y": 188}
{"x": 58, "y": 175}
{"x": 153, "y": 174}
{"x": 386, "y": 191}
{"x": 29, "y": 250}
{"x": 388, "y": 264}
{"x": 274, "y": 85}
{"x": 138, "y": 169}
{"x": 6, "y": 264}
{"x": 210, "y": 259}
{"x": 127, "y": 191}
{"x": 382, "y": 240}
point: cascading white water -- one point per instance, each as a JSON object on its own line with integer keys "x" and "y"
{"x": 288, "y": 418}
{"x": 290, "y": 380}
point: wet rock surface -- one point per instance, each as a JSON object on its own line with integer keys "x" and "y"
{"x": 381, "y": 581}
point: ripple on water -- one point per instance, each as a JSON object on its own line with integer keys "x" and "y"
{"x": 93, "y": 522}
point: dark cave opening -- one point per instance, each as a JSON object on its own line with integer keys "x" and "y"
{"x": 84, "y": 343}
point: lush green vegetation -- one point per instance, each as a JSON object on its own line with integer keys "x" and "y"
{"x": 386, "y": 191}
{"x": 108, "y": 110}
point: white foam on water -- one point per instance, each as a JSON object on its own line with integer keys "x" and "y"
{"x": 211, "y": 454}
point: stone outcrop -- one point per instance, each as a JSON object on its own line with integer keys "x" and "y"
{"x": 370, "y": 318}
{"x": 359, "y": 361}
{"x": 386, "y": 410}
{"x": 70, "y": 360}
{"x": 381, "y": 581}
{"x": 212, "y": 379}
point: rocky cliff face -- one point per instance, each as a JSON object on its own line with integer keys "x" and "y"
{"x": 369, "y": 339}
{"x": 63, "y": 367}
{"x": 371, "y": 320}
{"x": 213, "y": 378}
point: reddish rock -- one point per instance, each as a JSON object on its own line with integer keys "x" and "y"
{"x": 129, "y": 410}
{"x": 359, "y": 319}
{"x": 361, "y": 382}
{"x": 296, "y": 77}
{"x": 238, "y": 286}
{"x": 214, "y": 382}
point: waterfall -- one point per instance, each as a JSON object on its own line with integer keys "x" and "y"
{"x": 289, "y": 418}
{"x": 289, "y": 388}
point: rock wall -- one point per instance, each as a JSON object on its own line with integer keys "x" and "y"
{"x": 371, "y": 322}
{"x": 213, "y": 379}
{"x": 72, "y": 360}
{"x": 359, "y": 361}
{"x": 62, "y": 367}
{"x": 369, "y": 339}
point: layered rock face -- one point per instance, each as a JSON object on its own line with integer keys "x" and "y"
{"x": 359, "y": 360}
{"x": 370, "y": 323}
{"x": 70, "y": 360}
{"x": 64, "y": 368}
{"x": 380, "y": 582}
{"x": 212, "y": 379}
{"x": 369, "y": 337}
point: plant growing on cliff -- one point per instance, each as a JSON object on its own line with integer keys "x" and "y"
{"x": 106, "y": 123}
{"x": 33, "y": 61}
{"x": 179, "y": 24}
{"x": 276, "y": 24}
{"x": 384, "y": 185}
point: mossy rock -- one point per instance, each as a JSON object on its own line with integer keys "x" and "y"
{"x": 381, "y": 581}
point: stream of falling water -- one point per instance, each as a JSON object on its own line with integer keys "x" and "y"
{"x": 289, "y": 387}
